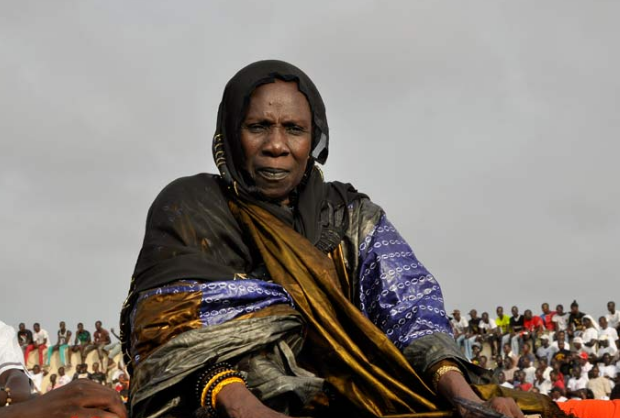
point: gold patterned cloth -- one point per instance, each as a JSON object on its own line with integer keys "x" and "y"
{"x": 356, "y": 358}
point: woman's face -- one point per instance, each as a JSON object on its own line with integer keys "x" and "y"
{"x": 276, "y": 137}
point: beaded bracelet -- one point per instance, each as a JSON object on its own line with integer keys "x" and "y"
{"x": 211, "y": 382}
{"x": 7, "y": 390}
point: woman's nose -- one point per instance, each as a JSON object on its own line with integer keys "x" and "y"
{"x": 276, "y": 144}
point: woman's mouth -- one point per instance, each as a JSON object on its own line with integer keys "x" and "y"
{"x": 272, "y": 174}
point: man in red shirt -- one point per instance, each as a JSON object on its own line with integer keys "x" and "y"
{"x": 547, "y": 318}
{"x": 532, "y": 327}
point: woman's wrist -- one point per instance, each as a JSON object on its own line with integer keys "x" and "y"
{"x": 233, "y": 398}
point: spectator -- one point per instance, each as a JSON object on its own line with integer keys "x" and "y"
{"x": 484, "y": 362}
{"x": 557, "y": 395}
{"x": 82, "y": 341}
{"x": 589, "y": 335}
{"x": 37, "y": 379}
{"x": 543, "y": 385}
{"x": 605, "y": 329}
{"x": 613, "y": 317}
{"x": 510, "y": 367}
{"x": 475, "y": 357}
{"x": 560, "y": 319}
{"x": 502, "y": 321}
{"x": 62, "y": 345}
{"x": 101, "y": 343}
{"x": 605, "y": 347}
{"x": 24, "y": 337}
{"x": 544, "y": 365}
{"x": 532, "y": 327}
{"x": 53, "y": 382}
{"x": 472, "y": 334}
{"x": 575, "y": 323}
{"x": 516, "y": 327}
{"x": 545, "y": 350}
{"x": 526, "y": 354}
{"x": 559, "y": 335}
{"x": 529, "y": 371}
{"x": 584, "y": 363}
{"x": 578, "y": 344}
{"x": 576, "y": 384}
{"x": 600, "y": 386}
{"x": 488, "y": 333}
{"x": 81, "y": 372}
{"x": 563, "y": 358}
{"x": 547, "y": 318}
{"x": 63, "y": 379}
{"x": 117, "y": 371}
{"x": 607, "y": 369}
{"x": 40, "y": 339}
{"x": 459, "y": 327}
{"x": 557, "y": 380}
{"x": 114, "y": 350}
{"x": 503, "y": 382}
{"x": 508, "y": 353}
{"x": 97, "y": 375}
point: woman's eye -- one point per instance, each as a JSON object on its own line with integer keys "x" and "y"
{"x": 295, "y": 130}
{"x": 255, "y": 128}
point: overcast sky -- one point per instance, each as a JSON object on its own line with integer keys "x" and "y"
{"x": 488, "y": 131}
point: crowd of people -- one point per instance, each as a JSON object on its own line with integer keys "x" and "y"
{"x": 106, "y": 371}
{"x": 565, "y": 355}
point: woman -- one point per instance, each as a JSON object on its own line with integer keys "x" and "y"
{"x": 303, "y": 286}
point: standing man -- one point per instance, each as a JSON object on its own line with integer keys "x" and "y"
{"x": 62, "y": 345}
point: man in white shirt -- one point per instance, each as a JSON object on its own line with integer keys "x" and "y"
{"x": 63, "y": 378}
{"x": 613, "y": 317}
{"x": 459, "y": 327}
{"x": 606, "y": 347}
{"x": 576, "y": 383}
{"x": 40, "y": 340}
{"x": 605, "y": 329}
{"x": 560, "y": 318}
{"x": 543, "y": 385}
{"x": 37, "y": 379}
{"x": 546, "y": 350}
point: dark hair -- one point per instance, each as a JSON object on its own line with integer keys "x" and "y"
{"x": 615, "y": 393}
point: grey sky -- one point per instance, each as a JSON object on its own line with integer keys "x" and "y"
{"x": 488, "y": 131}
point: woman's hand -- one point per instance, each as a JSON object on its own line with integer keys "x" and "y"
{"x": 453, "y": 385}
{"x": 236, "y": 401}
{"x": 79, "y": 399}
{"x": 505, "y": 406}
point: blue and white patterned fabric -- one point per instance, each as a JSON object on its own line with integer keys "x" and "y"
{"x": 397, "y": 293}
{"x": 227, "y": 299}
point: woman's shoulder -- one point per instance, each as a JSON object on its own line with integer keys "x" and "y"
{"x": 201, "y": 187}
